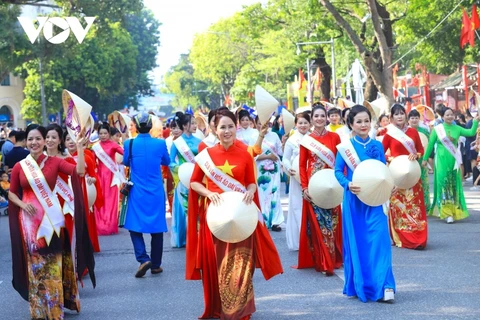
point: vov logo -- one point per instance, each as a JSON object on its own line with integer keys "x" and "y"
{"x": 46, "y": 23}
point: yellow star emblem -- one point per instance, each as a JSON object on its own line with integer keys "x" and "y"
{"x": 227, "y": 168}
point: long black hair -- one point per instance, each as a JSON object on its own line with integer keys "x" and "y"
{"x": 182, "y": 120}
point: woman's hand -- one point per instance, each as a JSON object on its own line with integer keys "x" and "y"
{"x": 306, "y": 195}
{"x": 412, "y": 157}
{"x": 264, "y": 129}
{"x": 424, "y": 163}
{"x": 81, "y": 142}
{"x": 28, "y": 208}
{"x": 248, "y": 198}
{"x": 353, "y": 188}
{"x": 91, "y": 180}
{"x": 395, "y": 190}
{"x": 292, "y": 172}
{"x": 215, "y": 198}
{"x": 272, "y": 157}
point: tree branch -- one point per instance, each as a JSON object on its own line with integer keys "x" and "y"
{"x": 345, "y": 25}
{"x": 377, "y": 27}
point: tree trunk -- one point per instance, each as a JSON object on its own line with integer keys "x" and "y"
{"x": 370, "y": 90}
{"x": 382, "y": 77}
{"x": 326, "y": 72}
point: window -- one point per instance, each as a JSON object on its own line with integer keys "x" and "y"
{"x": 6, "y": 81}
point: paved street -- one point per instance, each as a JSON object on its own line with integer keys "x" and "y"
{"x": 441, "y": 282}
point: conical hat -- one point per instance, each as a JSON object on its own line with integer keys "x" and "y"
{"x": 157, "y": 127}
{"x": 375, "y": 182}
{"x": 120, "y": 121}
{"x": 344, "y": 103}
{"x": 325, "y": 190}
{"x": 185, "y": 172}
{"x": 405, "y": 173}
{"x": 288, "y": 121}
{"x": 202, "y": 122}
{"x": 77, "y": 113}
{"x": 424, "y": 139}
{"x": 377, "y": 107}
{"x": 425, "y": 112}
{"x": 266, "y": 104}
{"x": 199, "y": 134}
{"x": 303, "y": 109}
{"x": 232, "y": 220}
{"x": 91, "y": 194}
{"x": 328, "y": 105}
{"x": 296, "y": 167}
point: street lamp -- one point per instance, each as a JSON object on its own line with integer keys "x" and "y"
{"x": 334, "y": 78}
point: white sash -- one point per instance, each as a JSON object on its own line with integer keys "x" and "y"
{"x": 322, "y": 151}
{"x": 184, "y": 150}
{"x": 270, "y": 147}
{"x": 295, "y": 139}
{"x": 210, "y": 141}
{"x": 221, "y": 179}
{"x": 53, "y": 219}
{"x": 344, "y": 133}
{"x": 349, "y": 154}
{"x": 401, "y": 137}
{"x": 118, "y": 177}
{"x": 448, "y": 144}
{"x": 64, "y": 191}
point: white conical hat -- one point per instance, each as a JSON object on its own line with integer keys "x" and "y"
{"x": 185, "y": 172}
{"x": 405, "y": 173}
{"x": 266, "y": 104}
{"x": 232, "y": 220}
{"x": 426, "y": 113}
{"x": 199, "y": 134}
{"x": 377, "y": 107}
{"x": 77, "y": 113}
{"x": 325, "y": 190}
{"x": 119, "y": 120}
{"x": 375, "y": 182}
{"x": 296, "y": 167}
{"x": 424, "y": 139}
{"x": 91, "y": 194}
{"x": 303, "y": 109}
{"x": 344, "y": 103}
{"x": 288, "y": 121}
{"x": 328, "y": 105}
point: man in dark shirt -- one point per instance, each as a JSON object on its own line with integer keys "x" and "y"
{"x": 18, "y": 153}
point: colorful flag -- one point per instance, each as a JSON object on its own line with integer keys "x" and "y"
{"x": 466, "y": 34}
{"x": 301, "y": 78}
{"x": 475, "y": 18}
{"x": 318, "y": 79}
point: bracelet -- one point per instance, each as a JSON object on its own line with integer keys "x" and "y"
{"x": 261, "y": 136}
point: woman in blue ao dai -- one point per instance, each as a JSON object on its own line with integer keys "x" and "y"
{"x": 184, "y": 148}
{"x": 367, "y": 251}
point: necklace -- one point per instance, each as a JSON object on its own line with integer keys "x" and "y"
{"x": 362, "y": 143}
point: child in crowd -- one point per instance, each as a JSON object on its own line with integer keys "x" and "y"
{"x": 334, "y": 117}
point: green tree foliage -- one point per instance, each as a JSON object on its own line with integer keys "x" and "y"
{"x": 440, "y": 52}
{"x": 102, "y": 67}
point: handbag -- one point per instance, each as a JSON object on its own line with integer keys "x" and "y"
{"x": 126, "y": 190}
